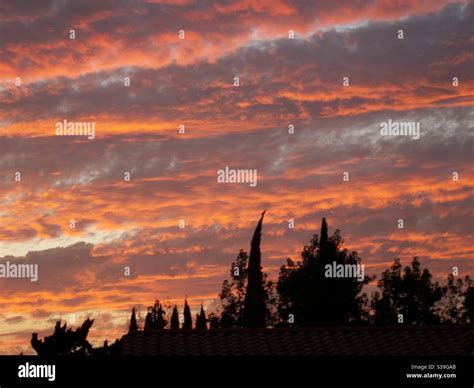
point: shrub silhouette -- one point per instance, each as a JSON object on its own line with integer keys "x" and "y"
{"x": 64, "y": 341}
{"x": 68, "y": 342}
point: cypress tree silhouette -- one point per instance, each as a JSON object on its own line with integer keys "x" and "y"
{"x": 174, "y": 319}
{"x": 148, "y": 322}
{"x": 160, "y": 318}
{"x": 201, "y": 321}
{"x": 232, "y": 296}
{"x": 198, "y": 322}
{"x": 323, "y": 240}
{"x": 188, "y": 320}
{"x": 202, "y": 314}
{"x": 254, "y": 305}
{"x": 133, "y": 322}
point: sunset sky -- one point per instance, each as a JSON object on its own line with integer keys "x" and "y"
{"x": 190, "y": 82}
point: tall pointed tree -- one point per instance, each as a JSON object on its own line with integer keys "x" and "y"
{"x": 198, "y": 322}
{"x": 161, "y": 321}
{"x": 323, "y": 241}
{"x": 202, "y": 315}
{"x": 201, "y": 321}
{"x": 254, "y": 305}
{"x": 133, "y": 322}
{"x": 232, "y": 296}
{"x": 174, "y": 325}
{"x": 188, "y": 320}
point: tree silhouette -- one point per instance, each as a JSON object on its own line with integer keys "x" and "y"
{"x": 308, "y": 298}
{"x": 254, "y": 314}
{"x": 233, "y": 292}
{"x": 213, "y": 321}
{"x": 411, "y": 294}
{"x": 305, "y": 293}
{"x": 469, "y": 302}
{"x": 450, "y": 307}
{"x": 174, "y": 325}
{"x": 64, "y": 341}
{"x": 457, "y": 303}
{"x": 108, "y": 350}
{"x": 155, "y": 318}
{"x": 133, "y": 322}
{"x": 188, "y": 320}
{"x": 201, "y": 321}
